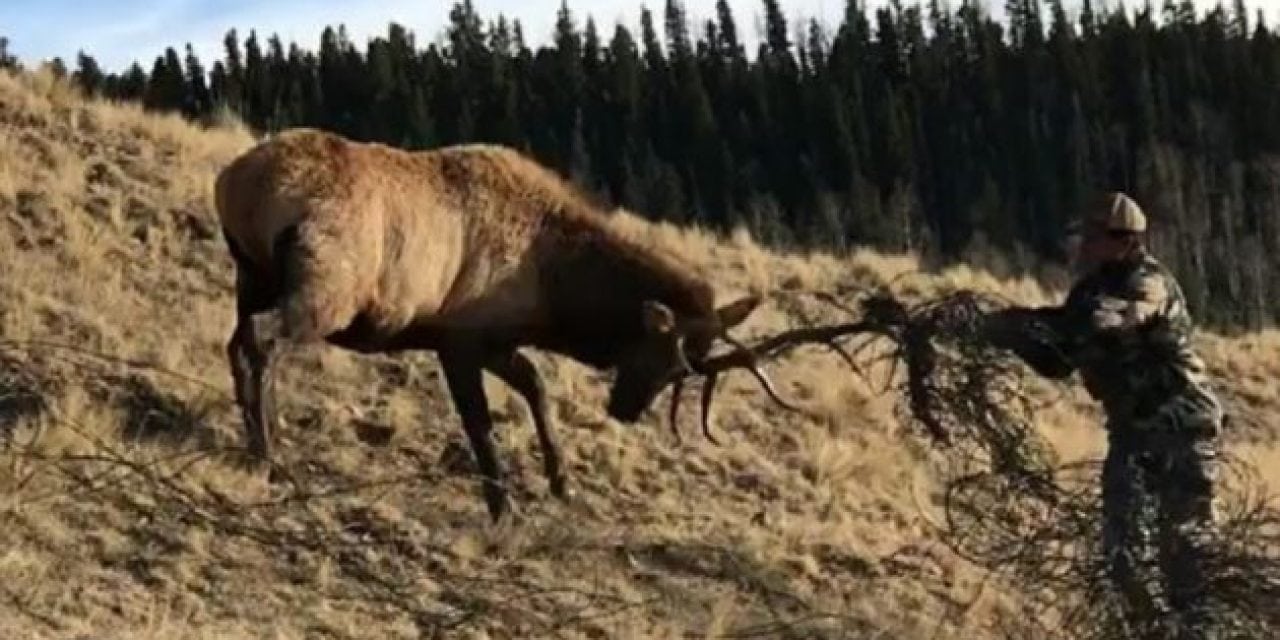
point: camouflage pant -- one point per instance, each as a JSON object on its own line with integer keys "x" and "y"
{"x": 1158, "y": 507}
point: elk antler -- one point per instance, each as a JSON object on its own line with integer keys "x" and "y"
{"x": 882, "y": 314}
{"x": 749, "y": 358}
{"x": 708, "y": 390}
{"x": 676, "y": 389}
{"x": 744, "y": 357}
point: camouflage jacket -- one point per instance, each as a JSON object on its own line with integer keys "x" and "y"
{"x": 1125, "y": 328}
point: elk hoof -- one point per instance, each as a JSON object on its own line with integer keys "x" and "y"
{"x": 258, "y": 453}
{"x": 250, "y": 459}
{"x": 559, "y": 490}
{"x": 374, "y": 435}
{"x": 496, "y": 499}
{"x": 277, "y": 475}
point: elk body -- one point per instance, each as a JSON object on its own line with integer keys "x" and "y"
{"x": 471, "y": 251}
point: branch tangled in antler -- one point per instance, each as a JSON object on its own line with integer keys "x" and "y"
{"x": 961, "y": 390}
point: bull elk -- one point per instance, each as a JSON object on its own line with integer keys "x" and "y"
{"x": 470, "y": 251}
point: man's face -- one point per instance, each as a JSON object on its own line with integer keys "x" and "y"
{"x": 1092, "y": 247}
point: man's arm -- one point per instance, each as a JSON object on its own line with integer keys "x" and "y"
{"x": 1034, "y": 334}
{"x": 1141, "y": 298}
{"x": 1049, "y": 338}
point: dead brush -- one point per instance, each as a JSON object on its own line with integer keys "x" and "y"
{"x": 1011, "y": 507}
{"x": 1050, "y": 550}
{"x": 965, "y": 394}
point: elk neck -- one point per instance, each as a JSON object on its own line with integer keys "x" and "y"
{"x": 594, "y": 283}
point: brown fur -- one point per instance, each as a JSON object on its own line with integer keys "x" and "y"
{"x": 472, "y": 235}
{"x": 473, "y": 251}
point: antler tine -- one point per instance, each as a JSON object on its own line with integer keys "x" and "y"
{"x": 770, "y": 389}
{"x": 684, "y": 359}
{"x": 851, "y": 358}
{"x": 738, "y": 344}
{"x": 676, "y": 389}
{"x": 745, "y": 357}
{"x": 864, "y": 345}
{"x": 750, "y": 363}
{"x": 825, "y": 335}
{"x": 708, "y": 394}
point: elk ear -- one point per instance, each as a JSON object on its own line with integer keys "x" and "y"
{"x": 735, "y": 312}
{"x": 658, "y": 318}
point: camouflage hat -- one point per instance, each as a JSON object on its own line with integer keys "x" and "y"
{"x": 1113, "y": 211}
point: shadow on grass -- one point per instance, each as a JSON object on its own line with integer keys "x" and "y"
{"x": 22, "y": 395}
{"x": 156, "y": 416}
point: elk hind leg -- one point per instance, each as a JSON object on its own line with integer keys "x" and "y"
{"x": 519, "y": 372}
{"x": 251, "y": 352}
{"x": 302, "y": 301}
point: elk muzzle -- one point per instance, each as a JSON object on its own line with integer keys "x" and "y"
{"x": 643, "y": 376}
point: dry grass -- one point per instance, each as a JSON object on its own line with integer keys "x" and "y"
{"x": 809, "y": 527}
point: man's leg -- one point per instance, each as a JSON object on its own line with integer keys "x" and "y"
{"x": 1126, "y": 539}
{"x": 1187, "y": 500}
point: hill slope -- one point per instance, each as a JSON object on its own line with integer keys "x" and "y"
{"x": 127, "y": 516}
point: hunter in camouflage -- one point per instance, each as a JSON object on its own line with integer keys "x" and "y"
{"x": 1125, "y": 327}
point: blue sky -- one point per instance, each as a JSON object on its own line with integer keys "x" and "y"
{"x": 118, "y": 32}
{"x": 121, "y": 31}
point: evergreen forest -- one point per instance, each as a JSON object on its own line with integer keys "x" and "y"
{"x": 930, "y": 128}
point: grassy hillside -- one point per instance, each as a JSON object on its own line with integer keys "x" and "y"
{"x": 127, "y": 516}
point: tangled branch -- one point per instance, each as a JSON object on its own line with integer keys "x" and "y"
{"x": 966, "y": 394}
{"x": 1012, "y": 508}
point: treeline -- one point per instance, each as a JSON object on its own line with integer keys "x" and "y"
{"x": 918, "y": 127}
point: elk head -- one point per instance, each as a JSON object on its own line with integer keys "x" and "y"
{"x": 672, "y": 347}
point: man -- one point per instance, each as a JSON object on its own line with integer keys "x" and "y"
{"x": 1125, "y": 327}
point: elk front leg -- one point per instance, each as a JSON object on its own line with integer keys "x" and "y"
{"x": 517, "y": 370}
{"x": 462, "y": 374}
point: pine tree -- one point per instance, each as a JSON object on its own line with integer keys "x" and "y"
{"x": 656, "y": 119}
{"x": 621, "y": 123}
{"x": 565, "y": 71}
{"x": 133, "y": 84}
{"x": 88, "y": 75}
{"x": 501, "y": 106}
{"x": 197, "y": 101}
{"x": 166, "y": 87}
{"x": 467, "y": 54}
{"x": 727, "y": 29}
{"x": 257, "y": 83}
{"x": 57, "y": 67}
{"x": 337, "y": 115}
{"x": 232, "y": 90}
{"x": 776, "y": 42}
{"x": 385, "y": 120}
{"x": 7, "y": 60}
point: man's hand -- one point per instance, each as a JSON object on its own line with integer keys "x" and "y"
{"x": 1007, "y": 328}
